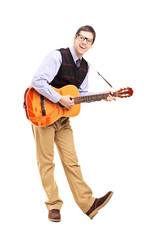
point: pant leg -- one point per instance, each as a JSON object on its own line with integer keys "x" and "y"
{"x": 65, "y": 144}
{"x": 44, "y": 137}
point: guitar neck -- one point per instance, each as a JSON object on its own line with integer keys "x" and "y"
{"x": 92, "y": 98}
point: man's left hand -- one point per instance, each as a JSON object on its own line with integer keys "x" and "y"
{"x": 110, "y": 96}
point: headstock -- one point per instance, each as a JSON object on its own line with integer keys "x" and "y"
{"x": 125, "y": 92}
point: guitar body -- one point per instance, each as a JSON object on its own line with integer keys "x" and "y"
{"x": 42, "y": 112}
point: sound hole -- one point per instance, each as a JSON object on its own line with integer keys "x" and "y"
{"x": 60, "y": 105}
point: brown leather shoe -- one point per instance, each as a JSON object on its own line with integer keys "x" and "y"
{"x": 54, "y": 215}
{"x": 98, "y": 204}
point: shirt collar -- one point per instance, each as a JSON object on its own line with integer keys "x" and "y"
{"x": 75, "y": 58}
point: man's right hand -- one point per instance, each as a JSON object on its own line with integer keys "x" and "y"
{"x": 67, "y": 101}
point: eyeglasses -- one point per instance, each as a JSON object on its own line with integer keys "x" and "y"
{"x": 82, "y": 38}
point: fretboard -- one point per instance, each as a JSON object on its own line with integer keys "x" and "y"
{"x": 92, "y": 98}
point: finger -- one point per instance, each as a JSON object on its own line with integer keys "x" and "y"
{"x": 71, "y": 98}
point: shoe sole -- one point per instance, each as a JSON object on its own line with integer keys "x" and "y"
{"x": 54, "y": 220}
{"x": 101, "y": 206}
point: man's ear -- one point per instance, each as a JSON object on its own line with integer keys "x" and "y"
{"x": 74, "y": 38}
{"x": 91, "y": 45}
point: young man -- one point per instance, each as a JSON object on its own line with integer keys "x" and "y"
{"x": 59, "y": 68}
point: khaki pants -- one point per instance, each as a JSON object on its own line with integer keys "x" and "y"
{"x": 61, "y": 133}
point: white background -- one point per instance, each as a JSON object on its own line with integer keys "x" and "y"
{"x": 117, "y": 143}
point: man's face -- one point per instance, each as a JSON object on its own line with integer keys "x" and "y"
{"x": 82, "y": 43}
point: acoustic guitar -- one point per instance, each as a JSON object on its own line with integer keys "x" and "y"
{"x": 42, "y": 112}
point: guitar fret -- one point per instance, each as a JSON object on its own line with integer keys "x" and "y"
{"x": 90, "y": 98}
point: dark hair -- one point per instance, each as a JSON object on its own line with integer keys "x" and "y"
{"x": 87, "y": 28}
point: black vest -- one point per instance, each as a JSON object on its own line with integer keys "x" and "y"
{"x": 69, "y": 73}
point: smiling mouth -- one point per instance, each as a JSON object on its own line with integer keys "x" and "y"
{"x": 82, "y": 47}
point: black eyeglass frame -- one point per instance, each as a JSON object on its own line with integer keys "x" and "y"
{"x": 89, "y": 41}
